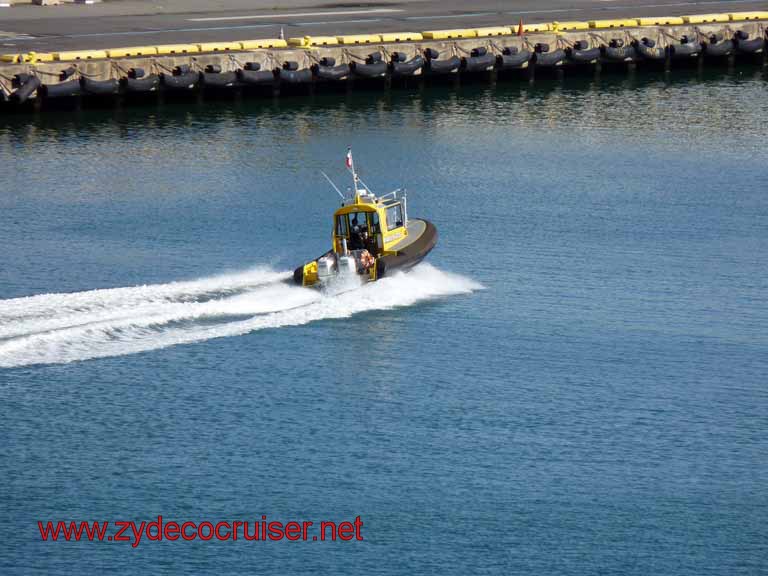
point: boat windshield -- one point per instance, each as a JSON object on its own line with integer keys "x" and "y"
{"x": 357, "y": 220}
{"x": 360, "y": 229}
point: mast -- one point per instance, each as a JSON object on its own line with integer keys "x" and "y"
{"x": 355, "y": 178}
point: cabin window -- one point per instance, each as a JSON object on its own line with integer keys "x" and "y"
{"x": 358, "y": 219}
{"x": 375, "y": 228}
{"x": 341, "y": 226}
{"x": 394, "y": 216}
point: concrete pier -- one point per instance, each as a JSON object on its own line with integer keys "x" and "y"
{"x": 295, "y": 62}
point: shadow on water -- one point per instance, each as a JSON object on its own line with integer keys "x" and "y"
{"x": 558, "y": 94}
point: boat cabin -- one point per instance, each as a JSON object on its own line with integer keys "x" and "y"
{"x": 370, "y": 223}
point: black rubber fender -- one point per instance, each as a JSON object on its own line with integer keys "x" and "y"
{"x": 253, "y": 66}
{"x": 381, "y": 268}
{"x": 182, "y": 82}
{"x": 136, "y": 73}
{"x": 141, "y": 85}
{"x": 541, "y": 48}
{"x": 408, "y": 68}
{"x": 339, "y": 72}
{"x": 399, "y": 57}
{"x": 514, "y": 61}
{"x": 26, "y": 90}
{"x": 256, "y": 77}
{"x": 479, "y": 51}
{"x": 373, "y": 58}
{"x": 431, "y": 54}
{"x": 647, "y": 52}
{"x": 327, "y": 62}
{"x": 754, "y": 46}
{"x": 99, "y": 87}
{"x": 581, "y": 45}
{"x": 549, "y": 59}
{"x": 623, "y": 54}
{"x": 181, "y": 70}
{"x": 369, "y": 70}
{"x": 447, "y": 66}
{"x": 581, "y": 56}
{"x": 66, "y": 89}
{"x": 303, "y": 76}
{"x": 213, "y": 69}
{"x": 510, "y": 50}
{"x": 66, "y": 73}
{"x": 219, "y": 79}
{"x": 720, "y": 49}
{"x": 478, "y": 63}
{"x": 687, "y": 50}
{"x": 20, "y": 79}
{"x": 291, "y": 66}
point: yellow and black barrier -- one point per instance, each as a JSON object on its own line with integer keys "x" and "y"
{"x": 388, "y": 37}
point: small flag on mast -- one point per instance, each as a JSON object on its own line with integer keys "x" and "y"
{"x": 349, "y": 158}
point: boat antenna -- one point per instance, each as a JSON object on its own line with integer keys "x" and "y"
{"x": 332, "y": 184}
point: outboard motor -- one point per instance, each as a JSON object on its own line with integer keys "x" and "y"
{"x": 347, "y": 266}
{"x": 326, "y": 267}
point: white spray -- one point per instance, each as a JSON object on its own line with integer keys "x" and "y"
{"x": 60, "y": 328}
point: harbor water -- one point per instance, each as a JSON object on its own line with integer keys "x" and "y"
{"x": 574, "y": 382}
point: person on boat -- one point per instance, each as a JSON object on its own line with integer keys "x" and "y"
{"x": 358, "y": 236}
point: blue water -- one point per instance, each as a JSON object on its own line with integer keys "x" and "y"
{"x": 575, "y": 383}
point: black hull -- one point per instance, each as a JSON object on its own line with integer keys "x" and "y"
{"x": 412, "y": 254}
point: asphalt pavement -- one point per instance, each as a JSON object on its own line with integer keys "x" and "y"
{"x": 119, "y": 23}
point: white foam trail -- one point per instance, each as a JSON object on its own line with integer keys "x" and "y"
{"x": 61, "y": 328}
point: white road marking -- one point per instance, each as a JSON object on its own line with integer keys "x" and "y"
{"x": 449, "y": 16}
{"x": 297, "y": 15}
{"x": 547, "y": 11}
{"x": 145, "y": 32}
{"x": 335, "y": 22}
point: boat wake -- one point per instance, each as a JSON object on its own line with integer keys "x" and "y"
{"x": 61, "y": 328}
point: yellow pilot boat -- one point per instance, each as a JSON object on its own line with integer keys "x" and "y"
{"x": 372, "y": 237}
